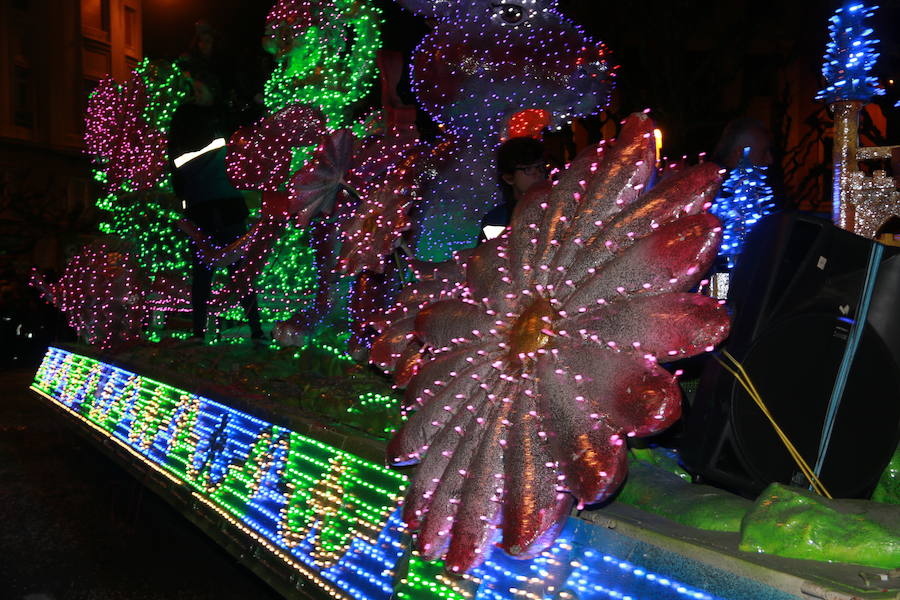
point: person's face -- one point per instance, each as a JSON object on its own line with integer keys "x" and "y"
{"x": 202, "y": 95}
{"x": 760, "y": 149}
{"x": 205, "y": 44}
{"x": 525, "y": 176}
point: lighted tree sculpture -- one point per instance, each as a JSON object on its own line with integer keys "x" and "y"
{"x": 125, "y": 135}
{"x": 325, "y": 58}
{"x": 102, "y": 292}
{"x": 744, "y": 199}
{"x": 849, "y": 57}
{"x": 324, "y": 53}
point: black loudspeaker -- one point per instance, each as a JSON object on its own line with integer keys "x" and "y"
{"x": 795, "y": 295}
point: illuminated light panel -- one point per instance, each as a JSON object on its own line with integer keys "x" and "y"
{"x": 569, "y": 570}
{"x": 262, "y": 478}
{"x": 328, "y": 514}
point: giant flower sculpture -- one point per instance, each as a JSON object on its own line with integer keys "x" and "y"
{"x": 549, "y": 359}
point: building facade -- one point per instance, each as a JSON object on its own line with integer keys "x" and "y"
{"x": 52, "y": 55}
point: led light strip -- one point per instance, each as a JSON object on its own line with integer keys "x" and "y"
{"x": 327, "y": 514}
{"x": 247, "y": 470}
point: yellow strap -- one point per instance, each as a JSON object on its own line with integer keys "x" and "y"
{"x": 744, "y": 379}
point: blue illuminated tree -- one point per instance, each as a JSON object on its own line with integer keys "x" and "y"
{"x": 850, "y": 55}
{"x": 744, "y": 199}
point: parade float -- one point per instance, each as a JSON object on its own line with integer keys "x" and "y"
{"x": 436, "y": 418}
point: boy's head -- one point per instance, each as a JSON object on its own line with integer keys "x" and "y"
{"x": 744, "y": 133}
{"x": 520, "y": 164}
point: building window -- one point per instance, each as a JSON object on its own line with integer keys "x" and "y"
{"x": 95, "y": 14}
{"x": 130, "y": 27}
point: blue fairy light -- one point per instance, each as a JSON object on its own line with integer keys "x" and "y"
{"x": 744, "y": 199}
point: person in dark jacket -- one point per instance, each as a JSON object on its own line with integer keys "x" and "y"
{"x": 197, "y": 138}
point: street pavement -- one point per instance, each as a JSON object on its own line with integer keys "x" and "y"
{"x": 75, "y": 526}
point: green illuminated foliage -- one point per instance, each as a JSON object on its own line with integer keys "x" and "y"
{"x": 332, "y": 63}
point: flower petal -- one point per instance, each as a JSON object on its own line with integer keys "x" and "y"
{"x": 414, "y": 437}
{"x": 448, "y": 271}
{"x": 408, "y": 303}
{"x": 391, "y": 343}
{"x": 560, "y": 208}
{"x": 667, "y": 326}
{"x": 574, "y": 180}
{"x": 431, "y": 469}
{"x": 632, "y": 394}
{"x": 626, "y": 169}
{"x": 525, "y": 233}
{"x": 448, "y": 322}
{"x": 408, "y": 364}
{"x": 686, "y": 193}
{"x": 485, "y": 273}
{"x": 475, "y": 528}
{"x": 417, "y": 295}
{"x": 590, "y": 451}
{"x": 532, "y": 505}
{"x": 434, "y": 536}
{"x": 439, "y": 372}
{"x": 674, "y": 258}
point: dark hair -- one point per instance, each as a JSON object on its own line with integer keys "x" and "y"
{"x": 201, "y": 28}
{"x": 517, "y": 152}
{"x": 732, "y": 133}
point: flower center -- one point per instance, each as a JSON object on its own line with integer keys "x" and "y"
{"x": 370, "y": 224}
{"x": 528, "y": 333}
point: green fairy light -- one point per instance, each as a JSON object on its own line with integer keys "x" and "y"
{"x": 289, "y": 277}
{"x": 378, "y": 408}
{"x": 166, "y": 86}
{"x": 331, "y": 64}
{"x": 148, "y": 219}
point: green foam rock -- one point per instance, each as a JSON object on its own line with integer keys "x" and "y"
{"x": 888, "y": 488}
{"x": 796, "y": 523}
{"x": 661, "y": 492}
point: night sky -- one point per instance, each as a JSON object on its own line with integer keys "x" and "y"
{"x": 696, "y": 64}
